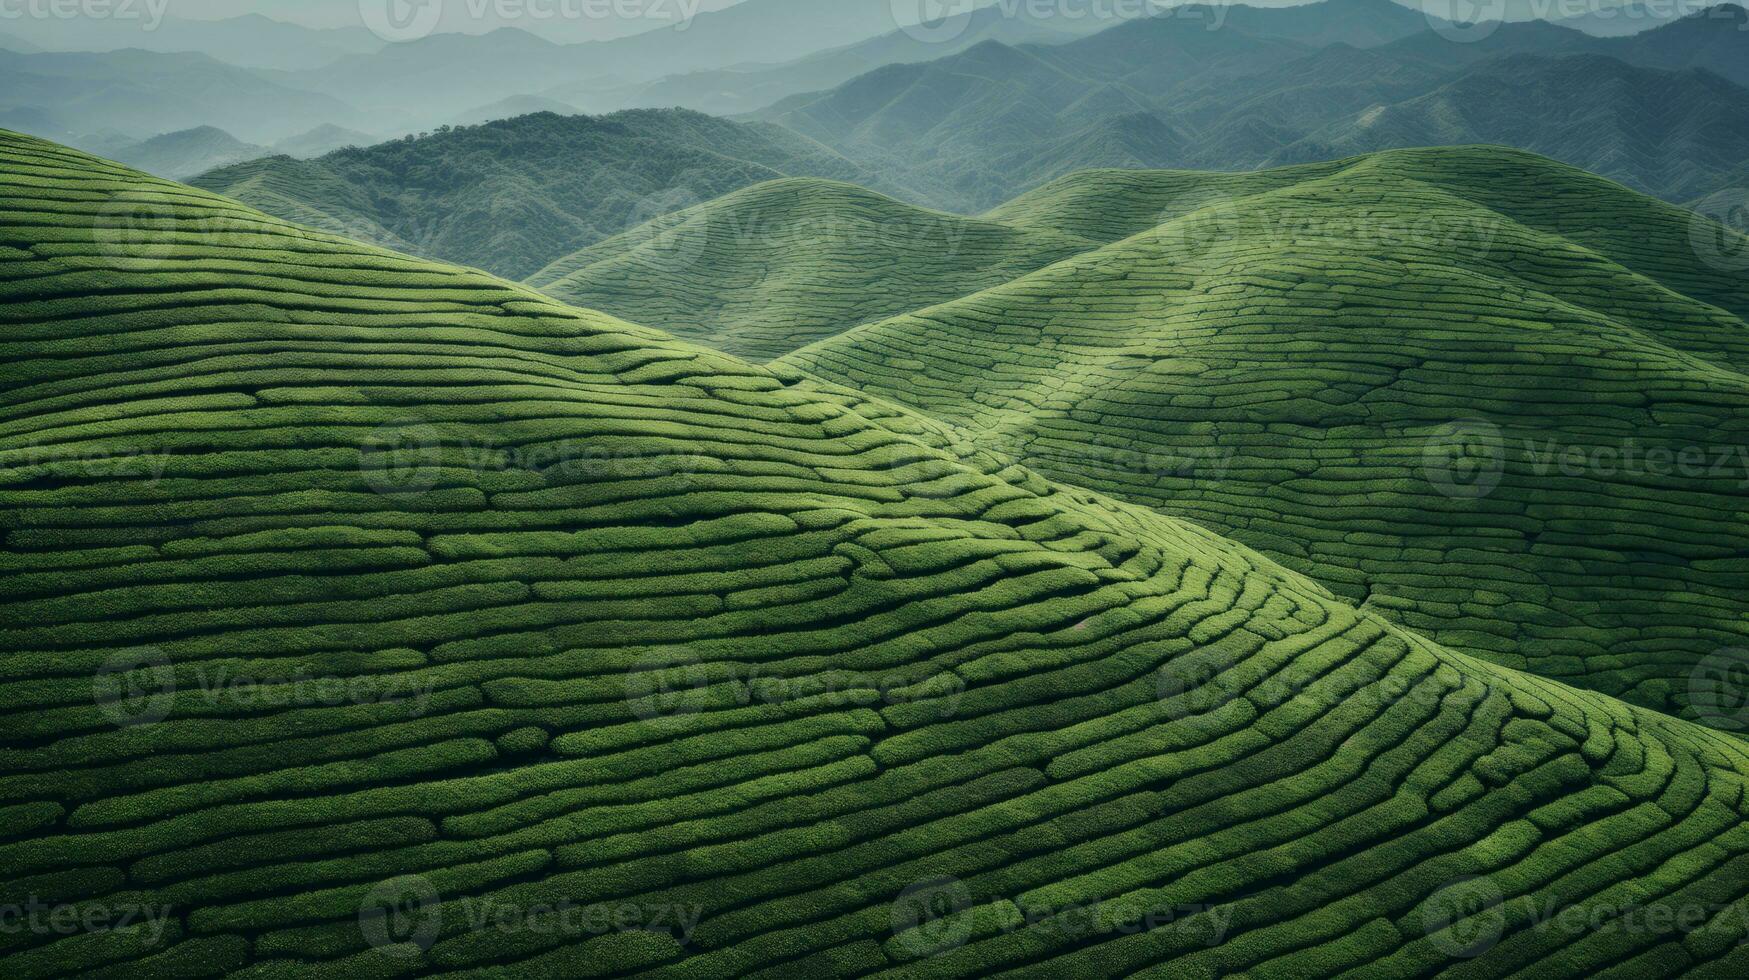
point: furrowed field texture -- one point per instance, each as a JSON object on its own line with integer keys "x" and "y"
{"x": 1495, "y": 399}
{"x": 369, "y": 617}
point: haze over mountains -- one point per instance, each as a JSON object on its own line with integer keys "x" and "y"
{"x": 976, "y": 128}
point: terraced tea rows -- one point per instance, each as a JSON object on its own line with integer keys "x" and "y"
{"x": 1296, "y": 363}
{"x": 777, "y": 266}
{"x": 473, "y": 632}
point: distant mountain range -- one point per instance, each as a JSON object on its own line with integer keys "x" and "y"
{"x": 251, "y": 41}
{"x": 743, "y": 88}
{"x": 515, "y": 195}
{"x": 145, "y": 93}
{"x": 191, "y": 152}
{"x": 1658, "y": 111}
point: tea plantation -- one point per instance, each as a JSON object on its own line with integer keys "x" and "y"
{"x": 367, "y": 617}
{"x": 1493, "y": 398}
{"x": 763, "y": 271}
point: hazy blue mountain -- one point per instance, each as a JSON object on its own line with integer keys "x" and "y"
{"x": 1362, "y": 23}
{"x": 145, "y": 93}
{"x": 514, "y": 195}
{"x": 1278, "y": 85}
{"x": 1716, "y": 39}
{"x": 745, "y": 88}
{"x": 422, "y": 82}
{"x": 510, "y": 108}
{"x": 1625, "y": 19}
{"x": 322, "y": 140}
{"x": 1678, "y": 135}
{"x": 974, "y": 128}
{"x": 184, "y": 154}
{"x": 250, "y": 40}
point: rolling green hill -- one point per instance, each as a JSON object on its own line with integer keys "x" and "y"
{"x": 780, "y": 265}
{"x": 1287, "y": 363}
{"x": 647, "y": 661}
{"x": 514, "y": 195}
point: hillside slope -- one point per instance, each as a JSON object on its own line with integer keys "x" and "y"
{"x": 652, "y": 663}
{"x": 780, "y": 265}
{"x": 1287, "y": 364}
{"x": 514, "y": 195}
